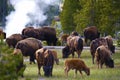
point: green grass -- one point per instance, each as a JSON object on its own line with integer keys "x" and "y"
{"x": 58, "y": 71}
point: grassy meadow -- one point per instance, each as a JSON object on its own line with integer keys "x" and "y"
{"x": 31, "y": 71}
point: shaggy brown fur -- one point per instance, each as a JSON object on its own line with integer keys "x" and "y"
{"x": 107, "y": 42}
{"x": 110, "y": 43}
{"x": 103, "y": 55}
{"x": 74, "y": 43}
{"x": 64, "y": 39}
{"x": 44, "y": 57}
{"x": 76, "y": 64}
{"x": 55, "y": 56}
{"x": 95, "y": 44}
{"x": 13, "y": 39}
{"x": 47, "y": 34}
{"x": 28, "y": 47}
{"x": 91, "y": 33}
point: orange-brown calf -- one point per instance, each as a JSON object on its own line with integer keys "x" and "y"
{"x": 76, "y": 64}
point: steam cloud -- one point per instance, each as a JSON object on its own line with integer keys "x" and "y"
{"x": 26, "y": 11}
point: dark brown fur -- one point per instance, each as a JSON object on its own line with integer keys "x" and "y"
{"x": 47, "y": 34}
{"x": 28, "y": 47}
{"x": 103, "y": 55}
{"x": 91, "y": 33}
{"x": 13, "y": 39}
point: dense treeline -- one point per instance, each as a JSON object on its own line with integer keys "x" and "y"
{"x": 101, "y": 13}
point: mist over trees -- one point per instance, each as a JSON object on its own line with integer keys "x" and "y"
{"x": 104, "y": 14}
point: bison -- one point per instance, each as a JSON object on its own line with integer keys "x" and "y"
{"x": 44, "y": 34}
{"x": 45, "y": 58}
{"x": 110, "y": 43}
{"x": 98, "y": 42}
{"x": 28, "y": 47}
{"x": 103, "y": 55}
{"x": 91, "y": 33}
{"x": 13, "y": 39}
{"x": 74, "y": 43}
{"x": 64, "y": 39}
{"x": 76, "y": 64}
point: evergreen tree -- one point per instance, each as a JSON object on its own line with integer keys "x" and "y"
{"x": 70, "y": 7}
{"x": 101, "y": 13}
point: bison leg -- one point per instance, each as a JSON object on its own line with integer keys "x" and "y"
{"x": 75, "y": 73}
{"x": 93, "y": 59}
{"x": 79, "y": 53}
{"x": 32, "y": 59}
{"x": 66, "y": 71}
{"x": 39, "y": 67}
{"x": 81, "y": 73}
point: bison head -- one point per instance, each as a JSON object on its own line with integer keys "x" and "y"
{"x": 65, "y": 52}
{"x": 87, "y": 71}
{"x": 112, "y": 48}
{"x": 109, "y": 63}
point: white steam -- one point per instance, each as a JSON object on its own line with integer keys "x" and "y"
{"x": 26, "y": 11}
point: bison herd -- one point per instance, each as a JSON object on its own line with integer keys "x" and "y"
{"x": 29, "y": 43}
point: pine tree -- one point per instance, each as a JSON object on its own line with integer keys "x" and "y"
{"x": 67, "y": 21}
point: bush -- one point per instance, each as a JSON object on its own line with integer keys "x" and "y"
{"x": 9, "y": 63}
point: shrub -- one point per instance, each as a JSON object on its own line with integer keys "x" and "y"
{"x": 8, "y": 63}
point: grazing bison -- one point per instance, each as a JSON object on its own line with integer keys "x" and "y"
{"x": 91, "y": 33}
{"x": 110, "y": 43}
{"x": 103, "y": 55}
{"x": 64, "y": 39}
{"x": 28, "y": 47}
{"x": 74, "y": 43}
{"x": 45, "y": 33}
{"x": 76, "y": 64}
{"x": 45, "y": 58}
{"x": 98, "y": 42}
{"x": 13, "y": 39}
{"x": 2, "y": 34}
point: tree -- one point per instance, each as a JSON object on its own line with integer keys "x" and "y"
{"x": 101, "y": 13}
{"x": 3, "y": 11}
{"x": 70, "y": 7}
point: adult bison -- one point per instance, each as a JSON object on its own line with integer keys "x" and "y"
{"x": 103, "y": 56}
{"x": 64, "y": 39}
{"x": 91, "y": 33}
{"x": 98, "y": 42}
{"x": 28, "y": 47}
{"x": 13, "y": 39}
{"x": 45, "y": 58}
{"x": 45, "y": 34}
{"x": 74, "y": 44}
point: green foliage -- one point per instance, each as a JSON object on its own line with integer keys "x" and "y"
{"x": 101, "y": 13}
{"x": 67, "y": 21}
{"x": 8, "y": 63}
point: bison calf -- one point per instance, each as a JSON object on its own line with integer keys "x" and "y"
{"x": 76, "y": 64}
{"x": 103, "y": 55}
